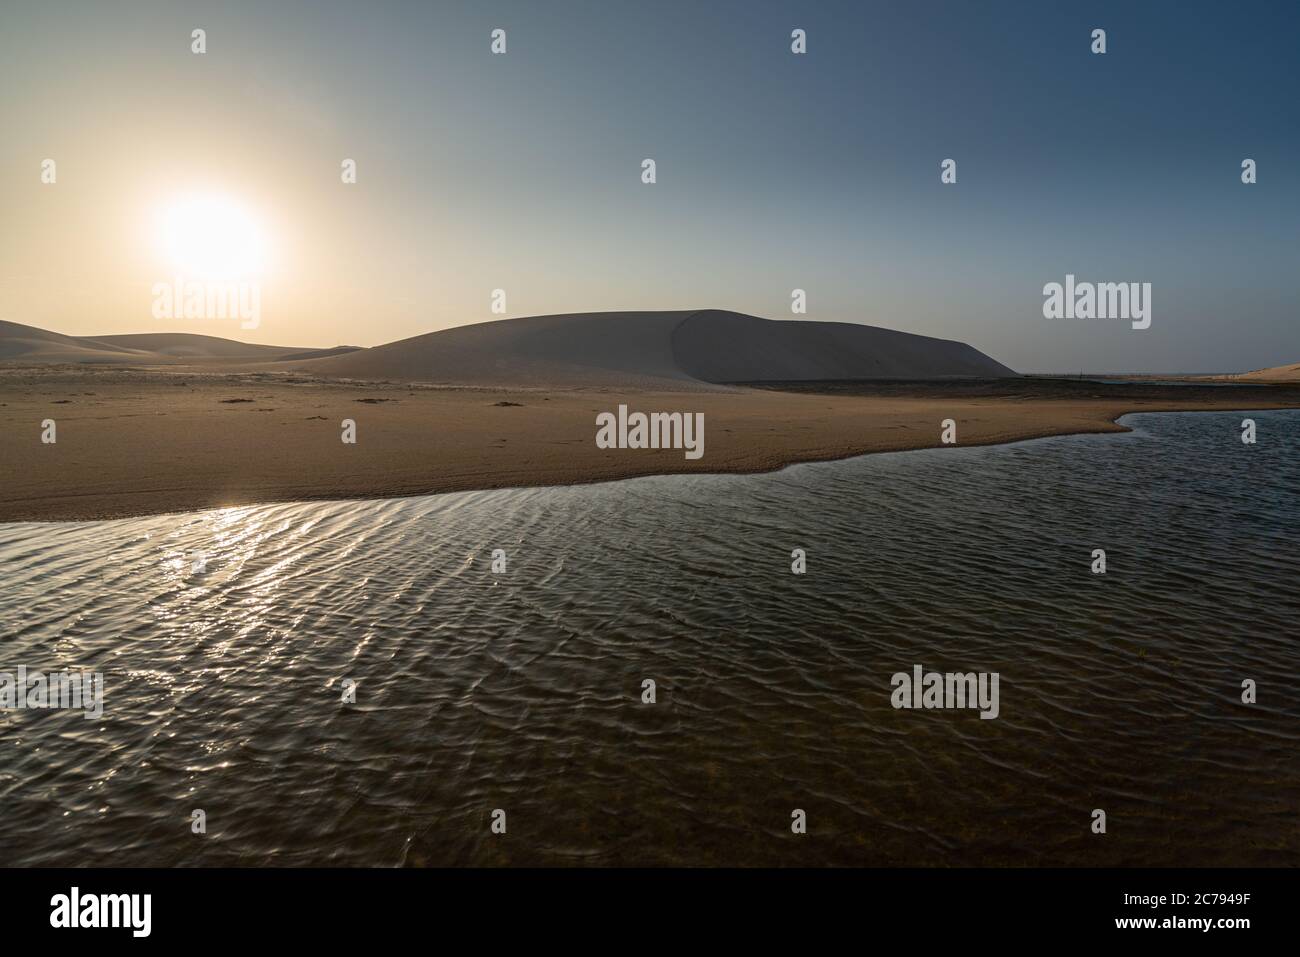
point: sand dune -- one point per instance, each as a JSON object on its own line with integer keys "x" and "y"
{"x": 708, "y": 346}
{"x": 1289, "y": 373}
{"x": 681, "y": 350}
{"x": 175, "y": 345}
{"x": 28, "y": 344}
{"x": 39, "y": 345}
{"x": 625, "y": 349}
{"x": 684, "y": 351}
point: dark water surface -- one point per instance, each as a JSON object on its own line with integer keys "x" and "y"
{"x": 522, "y": 691}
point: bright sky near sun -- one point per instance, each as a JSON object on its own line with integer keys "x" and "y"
{"x": 209, "y": 236}
{"x": 774, "y": 171}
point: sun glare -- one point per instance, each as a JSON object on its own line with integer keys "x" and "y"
{"x": 212, "y": 237}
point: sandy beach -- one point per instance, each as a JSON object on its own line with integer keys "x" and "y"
{"x": 142, "y": 441}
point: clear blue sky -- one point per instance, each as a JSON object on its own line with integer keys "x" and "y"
{"x": 775, "y": 171}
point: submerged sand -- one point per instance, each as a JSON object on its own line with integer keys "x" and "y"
{"x": 141, "y": 441}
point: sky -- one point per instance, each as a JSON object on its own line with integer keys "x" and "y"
{"x": 775, "y": 171}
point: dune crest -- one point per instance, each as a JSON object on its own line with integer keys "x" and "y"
{"x": 719, "y": 346}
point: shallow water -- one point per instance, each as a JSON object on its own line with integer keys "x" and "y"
{"x": 521, "y": 691}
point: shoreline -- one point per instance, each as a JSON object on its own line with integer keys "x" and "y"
{"x": 143, "y": 442}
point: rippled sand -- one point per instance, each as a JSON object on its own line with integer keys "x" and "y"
{"x": 521, "y": 691}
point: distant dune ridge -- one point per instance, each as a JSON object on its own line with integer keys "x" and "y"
{"x": 1289, "y": 373}
{"x": 659, "y": 350}
{"x": 662, "y": 350}
{"x": 29, "y": 344}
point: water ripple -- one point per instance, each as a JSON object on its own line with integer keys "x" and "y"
{"x": 226, "y": 637}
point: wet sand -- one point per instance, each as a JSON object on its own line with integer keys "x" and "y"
{"x": 143, "y": 441}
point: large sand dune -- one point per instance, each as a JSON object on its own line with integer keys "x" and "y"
{"x": 683, "y": 350}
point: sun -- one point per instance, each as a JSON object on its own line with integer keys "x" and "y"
{"x": 212, "y": 237}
